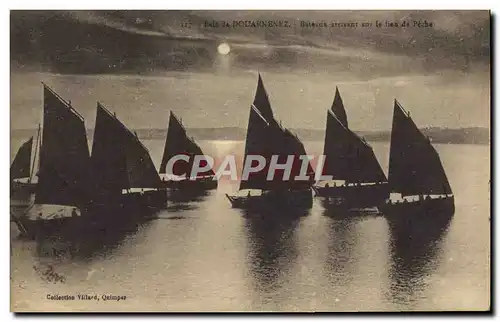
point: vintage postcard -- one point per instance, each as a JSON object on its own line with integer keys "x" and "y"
{"x": 249, "y": 161}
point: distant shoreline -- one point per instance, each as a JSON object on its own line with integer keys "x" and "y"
{"x": 470, "y": 135}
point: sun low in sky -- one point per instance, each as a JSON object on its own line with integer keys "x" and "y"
{"x": 223, "y": 49}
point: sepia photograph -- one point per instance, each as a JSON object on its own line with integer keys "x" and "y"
{"x": 250, "y": 161}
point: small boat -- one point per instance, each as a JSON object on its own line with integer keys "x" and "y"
{"x": 23, "y": 175}
{"x": 265, "y": 138}
{"x": 358, "y": 182}
{"x": 178, "y": 177}
{"x": 420, "y": 191}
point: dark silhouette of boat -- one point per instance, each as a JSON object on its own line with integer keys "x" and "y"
{"x": 358, "y": 182}
{"x": 22, "y": 175}
{"x": 63, "y": 177}
{"x": 267, "y": 138}
{"x": 180, "y": 181}
{"x": 420, "y": 191}
{"x": 74, "y": 191}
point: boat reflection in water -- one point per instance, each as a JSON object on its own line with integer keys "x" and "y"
{"x": 180, "y": 200}
{"x": 415, "y": 252}
{"x": 272, "y": 250}
{"x": 78, "y": 247}
{"x": 341, "y": 250}
{"x": 187, "y": 196}
{"x": 419, "y": 210}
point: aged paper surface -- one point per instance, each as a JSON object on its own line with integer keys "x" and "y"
{"x": 284, "y": 161}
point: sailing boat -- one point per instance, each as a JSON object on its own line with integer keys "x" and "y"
{"x": 75, "y": 191}
{"x": 126, "y": 181}
{"x": 63, "y": 186}
{"x": 358, "y": 180}
{"x": 22, "y": 174}
{"x": 179, "y": 176}
{"x": 266, "y": 137}
{"x": 418, "y": 183}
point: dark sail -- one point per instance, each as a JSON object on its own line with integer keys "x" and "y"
{"x": 414, "y": 165}
{"x": 338, "y": 108}
{"x": 119, "y": 159}
{"x": 20, "y": 167}
{"x": 64, "y": 177}
{"x": 108, "y": 156}
{"x": 266, "y": 137}
{"x": 287, "y": 144}
{"x": 178, "y": 142}
{"x": 140, "y": 167}
{"x": 261, "y": 101}
{"x": 258, "y": 142}
{"x": 349, "y": 157}
{"x": 194, "y": 149}
{"x": 174, "y": 146}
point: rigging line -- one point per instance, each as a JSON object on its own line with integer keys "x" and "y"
{"x": 123, "y": 126}
{"x": 259, "y": 114}
{"x": 361, "y": 139}
{"x": 63, "y": 101}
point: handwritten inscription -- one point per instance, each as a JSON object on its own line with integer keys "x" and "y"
{"x": 49, "y": 275}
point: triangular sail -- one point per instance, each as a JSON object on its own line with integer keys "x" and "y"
{"x": 258, "y": 142}
{"x": 261, "y": 101}
{"x": 338, "y": 108}
{"x": 20, "y": 167}
{"x": 108, "y": 156}
{"x": 265, "y": 137}
{"x": 349, "y": 157}
{"x": 194, "y": 149}
{"x": 414, "y": 165}
{"x": 140, "y": 167}
{"x": 119, "y": 159}
{"x": 178, "y": 142}
{"x": 287, "y": 144}
{"x": 64, "y": 177}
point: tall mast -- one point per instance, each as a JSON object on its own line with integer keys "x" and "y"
{"x": 34, "y": 157}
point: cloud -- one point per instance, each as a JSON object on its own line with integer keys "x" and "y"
{"x": 144, "y": 41}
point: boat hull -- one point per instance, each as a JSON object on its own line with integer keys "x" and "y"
{"x": 274, "y": 200}
{"x": 341, "y": 211}
{"x": 347, "y": 198}
{"x": 132, "y": 208}
{"x": 421, "y": 215}
{"x": 201, "y": 184}
{"x": 33, "y": 228}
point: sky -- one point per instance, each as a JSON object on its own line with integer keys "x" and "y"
{"x": 143, "y": 63}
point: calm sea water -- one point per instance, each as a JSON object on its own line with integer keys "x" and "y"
{"x": 205, "y": 256}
